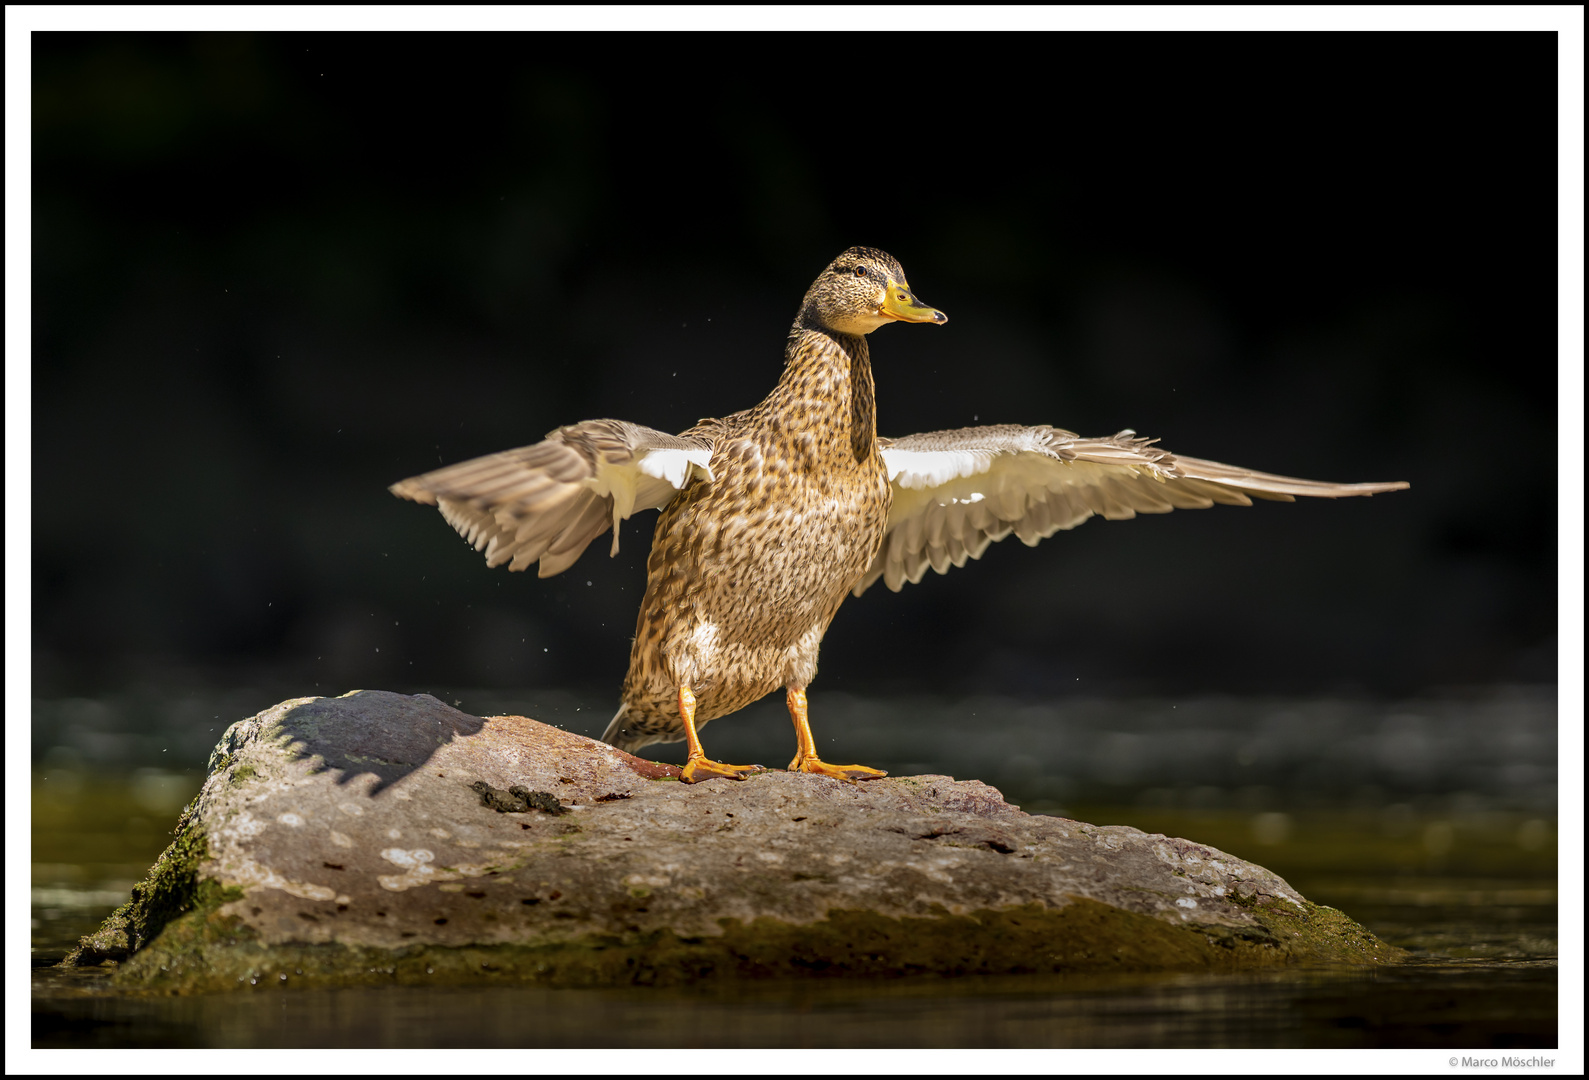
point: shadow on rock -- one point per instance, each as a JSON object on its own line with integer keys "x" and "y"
{"x": 371, "y": 731}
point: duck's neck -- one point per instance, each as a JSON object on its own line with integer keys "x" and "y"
{"x": 827, "y": 384}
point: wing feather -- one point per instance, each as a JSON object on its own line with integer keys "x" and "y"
{"x": 548, "y": 501}
{"x": 956, "y": 492}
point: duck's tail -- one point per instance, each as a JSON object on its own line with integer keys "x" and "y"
{"x": 631, "y": 728}
{"x": 615, "y": 735}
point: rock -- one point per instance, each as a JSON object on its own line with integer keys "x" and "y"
{"x": 382, "y": 838}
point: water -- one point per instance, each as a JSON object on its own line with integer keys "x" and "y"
{"x": 1502, "y": 1006}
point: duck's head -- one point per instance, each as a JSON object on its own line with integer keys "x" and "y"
{"x": 860, "y": 291}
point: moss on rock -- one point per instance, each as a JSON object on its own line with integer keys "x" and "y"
{"x": 205, "y": 951}
{"x": 172, "y": 888}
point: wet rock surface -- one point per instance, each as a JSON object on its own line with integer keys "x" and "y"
{"x": 380, "y": 837}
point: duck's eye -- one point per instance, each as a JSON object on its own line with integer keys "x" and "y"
{"x": 860, "y": 271}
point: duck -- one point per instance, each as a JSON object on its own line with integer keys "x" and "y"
{"x": 772, "y": 516}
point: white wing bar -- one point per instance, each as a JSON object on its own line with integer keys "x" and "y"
{"x": 956, "y": 492}
{"x": 547, "y": 502}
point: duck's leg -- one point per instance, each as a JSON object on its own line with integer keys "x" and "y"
{"x": 699, "y": 767}
{"x": 806, "y": 759}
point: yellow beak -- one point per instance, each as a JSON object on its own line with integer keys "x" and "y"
{"x": 900, "y": 303}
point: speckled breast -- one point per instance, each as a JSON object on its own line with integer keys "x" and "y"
{"x": 747, "y": 570}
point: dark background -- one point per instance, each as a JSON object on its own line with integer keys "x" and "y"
{"x": 274, "y": 274}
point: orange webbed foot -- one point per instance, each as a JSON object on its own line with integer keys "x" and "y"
{"x": 697, "y": 766}
{"x": 697, "y": 769}
{"x": 806, "y": 759}
{"x": 850, "y": 773}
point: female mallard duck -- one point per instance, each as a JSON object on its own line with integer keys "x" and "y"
{"x": 771, "y": 516}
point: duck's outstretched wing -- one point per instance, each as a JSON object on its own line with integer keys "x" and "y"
{"x": 956, "y": 492}
{"x": 550, "y": 500}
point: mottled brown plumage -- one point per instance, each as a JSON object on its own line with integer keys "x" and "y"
{"x": 771, "y": 516}
{"x": 746, "y": 570}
